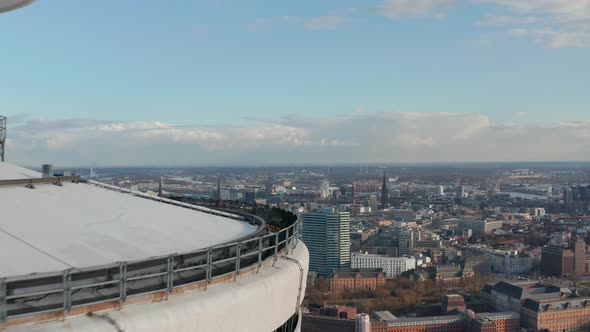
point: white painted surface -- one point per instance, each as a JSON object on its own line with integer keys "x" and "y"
{"x": 254, "y": 303}
{"x": 391, "y": 266}
{"x": 81, "y": 225}
{"x": 13, "y": 172}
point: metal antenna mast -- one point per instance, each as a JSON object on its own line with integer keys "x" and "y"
{"x": 2, "y": 136}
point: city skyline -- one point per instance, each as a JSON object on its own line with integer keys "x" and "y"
{"x": 338, "y": 82}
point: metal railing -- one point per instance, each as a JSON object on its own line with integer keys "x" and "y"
{"x": 51, "y": 179}
{"x": 65, "y": 290}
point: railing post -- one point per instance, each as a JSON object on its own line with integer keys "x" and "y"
{"x": 287, "y": 241}
{"x": 295, "y": 236}
{"x": 209, "y": 262}
{"x": 3, "y": 304}
{"x": 238, "y": 249}
{"x": 276, "y": 256}
{"x": 170, "y": 275}
{"x": 259, "y": 254}
{"x": 122, "y": 282}
{"x": 67, "y": 291}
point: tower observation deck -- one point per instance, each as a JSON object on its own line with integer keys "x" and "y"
{"x": 79, "y": 251}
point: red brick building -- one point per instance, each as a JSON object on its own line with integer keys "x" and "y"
{"x": 356, "y": 279}
{"x": 468, "y": 322}
{"x": 571, "y": 314}
{"x": 453, "y": 302}
{"x": 338, "y": 311}
{"x": 448, "y": 276}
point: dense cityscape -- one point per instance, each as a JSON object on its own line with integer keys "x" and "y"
{"x": 457, "y": 247}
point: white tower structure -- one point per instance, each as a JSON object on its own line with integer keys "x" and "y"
{"x": 362, "y": 323}
{"x": 324, "y": 189}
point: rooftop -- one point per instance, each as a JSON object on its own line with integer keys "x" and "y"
{"x": 526, "y": 289}
{"x": 570, "y": 303}
{"x": 53, "y": 228}
{"x": 12, "y": 172}
{"x": 353, "y": 273}
{"x": 385, "y": 316}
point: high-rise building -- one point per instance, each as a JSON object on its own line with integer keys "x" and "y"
{"x": 325, "y": 189}
{"x": 561, "y": 261}
{"x": 405, "y": 241}
{"x": 327, "y": 235}
{"x": 568, "y": 197}
{"x": 460, "y": 192}
{"x": 363, "y": 323}
{"x": 579, "y": 256}
{"x": 557, "y": 261}
{"x": 384, "y": 193}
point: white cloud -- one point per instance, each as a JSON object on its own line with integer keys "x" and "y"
{"x": 507, "y": 20}
{"x": 554, "y": 38}
{"x": 311, "y": 23}
{"x": 415, "y": 8}
{"x": 556, "y": 23}
{"x": 566, "y": 9}
{"x": 295, "y": 139}
{"x": 484, "y": 40}
{"x": 326, "y": 22}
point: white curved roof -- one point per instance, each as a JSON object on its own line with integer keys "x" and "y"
{"x": 7, "y": 5}
{"x": 10, "y": 172}
{"x": 254, "y": 302}
{"x": 52, "y": 228}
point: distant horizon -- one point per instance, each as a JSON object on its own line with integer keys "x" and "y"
{"x": 374, "y": 166}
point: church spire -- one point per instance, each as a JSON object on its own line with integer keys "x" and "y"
{"x": 384, "y": 193}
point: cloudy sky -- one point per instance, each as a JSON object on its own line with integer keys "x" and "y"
{"x": 307, "y": 81}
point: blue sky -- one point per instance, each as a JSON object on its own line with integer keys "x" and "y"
{"x": 215, "y": 66}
